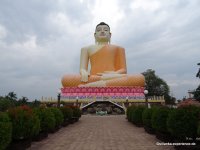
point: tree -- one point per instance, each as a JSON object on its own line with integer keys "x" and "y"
{"x": 11, "y": 96}
{"x": 198, "y": 73}
{"x": 8, "y": 101}
{"x": 22, "y": 101}
{"x": 197, "y": 93}
{"x": 157, "y": 86}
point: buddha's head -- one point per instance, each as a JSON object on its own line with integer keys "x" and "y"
{"x": 102, "y": 33}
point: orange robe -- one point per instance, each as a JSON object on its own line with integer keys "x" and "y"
{"x": 108, "y": 58}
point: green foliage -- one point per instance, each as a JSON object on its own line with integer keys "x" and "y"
{"x": 67, "y": 112}
{"x": 5, "y": 130}
{"x": 157, "y": 86}
{"x": 183, "y": 122}
{"x": 137, "y": 115}
{"x": 34, "y": 104}
{"x": 159, "y": 119}
{"x": 25, "y": 123}
{"x": 129, "y": 112}
{"x": 197, "y": 93}
{"x": 47, "y": 119}
{"x": 22, "y": 101}
{"x": 5, "y": 104}
{"x": 198, "y": 130}
{"x": 198, "y": 73}
{"x": 146, "y": 117}
{"x": 35, "y": 125}
{"x": 11, "y": 96}
{"x": 76, "y": 112}
{"x": 58, "y": 116}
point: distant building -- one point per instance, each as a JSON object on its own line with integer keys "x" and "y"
{"x": 189, "y": 101}
{"x": 191, "y": 93}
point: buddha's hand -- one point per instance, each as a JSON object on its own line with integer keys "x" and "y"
{"x": 84, "y": 75}
{"x": 107, "y": 72}
{"x": 109, "y": 76}
{"x": 110, "y": 72}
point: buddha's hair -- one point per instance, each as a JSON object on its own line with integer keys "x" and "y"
{"x": 103, "y": 23}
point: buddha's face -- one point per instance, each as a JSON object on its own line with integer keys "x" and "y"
{"x": 102, "y": 33}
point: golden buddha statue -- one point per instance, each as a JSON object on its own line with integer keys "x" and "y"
{"x": 108, "y": 64}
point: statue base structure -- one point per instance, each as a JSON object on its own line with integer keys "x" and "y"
{"x": 100, "y": 99}
{"x": 100, "y": 93}
{"x": 121, "y": 97}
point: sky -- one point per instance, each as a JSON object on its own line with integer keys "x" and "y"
{"x": 40, "y": 41}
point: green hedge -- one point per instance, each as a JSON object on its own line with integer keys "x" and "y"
{"x": 159, "y": 119}
{"x": 51, "y": 123}
{"x": 67, "y": 112}
{"x": 183, "y": 122}
{"x": 5, "y": 130}
{"x": 76, "y": 112}
{"x": 137, "y": 115}
{"x": 47, "y": 119}
{"x": 59, "y": 118}
{"x": 129, "y": 112}
{"x": 146, "y": 117}
{"x": 25, "y": 123}
{"x": 5, "y": 104}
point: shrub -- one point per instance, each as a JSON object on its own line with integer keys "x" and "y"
{"x": 183, "y": 122}
{"x": 5, "y": 104}
{"x": 25, "y": 123}
{"x": 76, "y": 112}
{"x": 67, "y": 112}
{"x": 198, "y": 130}
{"x": 129, "y": 112}
{"x": 35, "y": 125}
{"x": 159, "y": 119}
{"x": 147, "y": 116}
{"x": 137, "y": 115}
{"x": 51, "y": 123}
{"x": 5, "y": 130}
{"x": 58, "y": 116}
{"x": 47, "y": 119}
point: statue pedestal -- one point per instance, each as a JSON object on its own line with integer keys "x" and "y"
{"x": 102, "y": 93}
{"x": 86, "y": 97}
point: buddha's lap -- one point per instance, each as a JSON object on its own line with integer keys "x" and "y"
{"x": 129, "y": 80}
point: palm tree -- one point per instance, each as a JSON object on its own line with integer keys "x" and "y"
{"x": 11, "y": 96}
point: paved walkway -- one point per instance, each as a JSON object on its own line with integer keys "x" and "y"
{"x": 100, "y": 133}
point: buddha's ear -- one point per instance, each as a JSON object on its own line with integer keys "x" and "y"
{"x": 110, "y": 34}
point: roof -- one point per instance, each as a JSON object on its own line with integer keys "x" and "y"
{"x": 189, "y": 101}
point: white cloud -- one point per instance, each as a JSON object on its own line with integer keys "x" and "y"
{"x": 3, "y": 32}
{"x": 145, "y": 5}
{"x": 104, "y": 10}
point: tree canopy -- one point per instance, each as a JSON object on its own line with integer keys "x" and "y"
{"x": 198, "y": 73}
{"x": 157, "y": 86}
{"x": 197, "y": 93}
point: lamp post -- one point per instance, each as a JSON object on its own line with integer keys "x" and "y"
{"x": 126, "y": 104}
{"x": 59, "y": 95}
{"x": 146, "y": 97}
{"x": 77, "y": 101}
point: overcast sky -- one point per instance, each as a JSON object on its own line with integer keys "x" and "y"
{"x": 40, "y": 41}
